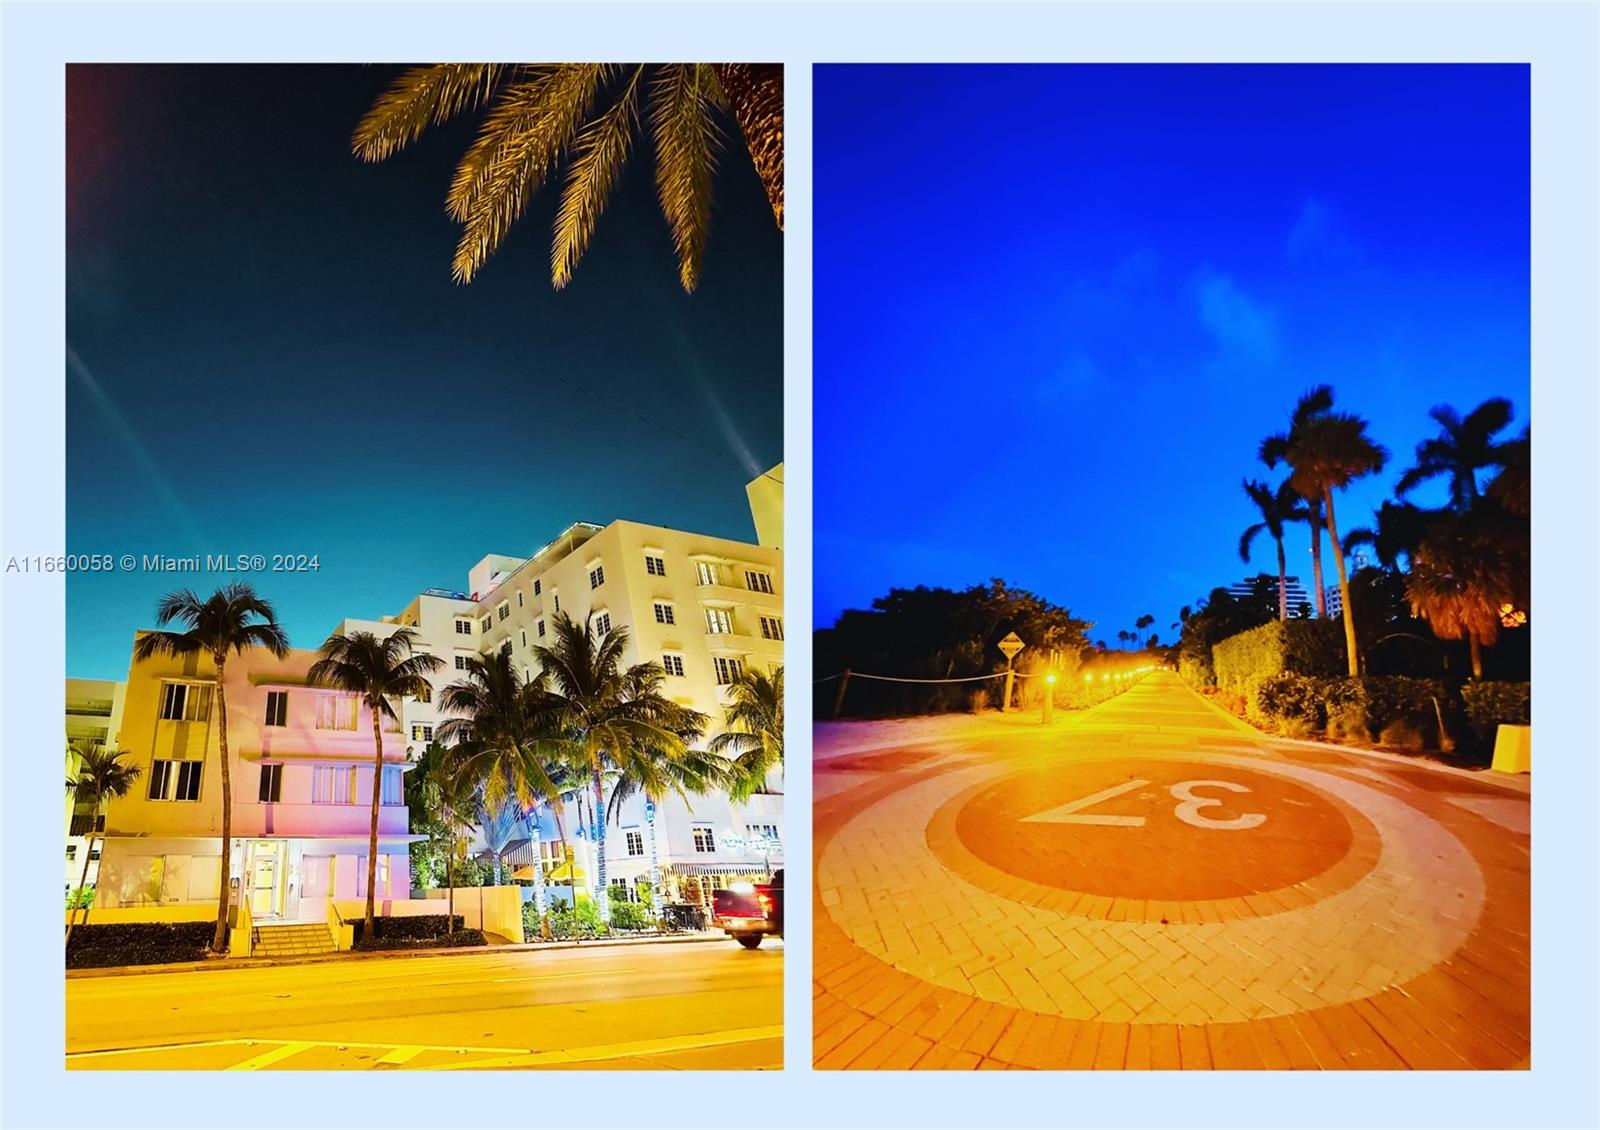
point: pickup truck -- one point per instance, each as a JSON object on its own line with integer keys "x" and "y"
{"x": 749, "y": 912}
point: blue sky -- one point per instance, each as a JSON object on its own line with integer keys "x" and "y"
{"x": 266, "y": 354}
{"x": 1056, "y": 308}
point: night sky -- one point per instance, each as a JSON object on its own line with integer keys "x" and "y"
{"x": 1057, "y": 308}
{"x": 266, "y": 353}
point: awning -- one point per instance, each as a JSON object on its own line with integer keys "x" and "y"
{"x": 716, "y": 868}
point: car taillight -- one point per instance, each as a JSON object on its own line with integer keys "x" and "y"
{"x": 766, "y": 903}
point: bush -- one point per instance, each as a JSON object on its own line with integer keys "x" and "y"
{"x": 138, "y": 943}
{"x": 1403, "y": 712}
{"x": 1283, "y": 647}
{"x": 425, "y": 927}
{"x": 633, "y": 916}
{"x": 1489, "y": 705}
{"x": 443, "y": 941}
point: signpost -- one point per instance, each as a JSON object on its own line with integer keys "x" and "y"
{"x": 1009, "y": 648}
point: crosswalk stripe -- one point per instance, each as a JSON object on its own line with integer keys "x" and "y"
{"x": 266, "y": 1059}
{"x": 621, "y": 1051}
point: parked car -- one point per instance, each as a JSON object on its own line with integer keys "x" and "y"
{"x": 748, "y": 912}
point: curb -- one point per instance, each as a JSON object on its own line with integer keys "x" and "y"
{"x": 226, "y": 963}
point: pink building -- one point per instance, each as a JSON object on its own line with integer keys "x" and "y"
{"x": 301, "y": 765}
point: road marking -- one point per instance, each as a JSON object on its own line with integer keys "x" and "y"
{"x": 562, "y": 976}
{"x": 402, "y": 1055}
{"x": 248, "y": 1043}
{"x": 1189, "y": 810}
{"x": 620, "y": 1051}
{"x": 1069, "y": 813}
{"x": 266, "y": 1059}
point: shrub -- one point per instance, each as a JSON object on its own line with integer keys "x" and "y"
{"x": 425, "y": 927}
{"x": 1292, "y": 647}
{"x": 443, "y": 941}
{"x": 1197, "y": 670}
{"x": 1488, "y": 705}
{"x": 1403, "y": 711}
{"x": 138, "y": 943}
{"x": 627, "y": 915}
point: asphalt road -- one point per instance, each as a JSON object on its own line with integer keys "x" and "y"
{"x": 700, "y": 1005}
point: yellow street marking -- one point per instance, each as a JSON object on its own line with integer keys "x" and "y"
{"x": 621, "y": 1051}
{"x": 298, "y": 1044}
{"x": 560, "y": 976}
{"x": 403, "y": 1055}
{"x": 256, "y": 1063}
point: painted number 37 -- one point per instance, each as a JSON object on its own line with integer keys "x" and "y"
{"x": 1191, "y": 808}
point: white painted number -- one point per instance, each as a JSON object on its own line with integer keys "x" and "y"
{"x": 1189, "y": 809}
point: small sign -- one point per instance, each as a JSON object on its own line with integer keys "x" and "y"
{"x": 1011, "y": 645}
{"x": 649, "y": 810}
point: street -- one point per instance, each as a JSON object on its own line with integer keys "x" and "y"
{"x": 691, "y": 1005}
{"x": 1153, "y": 884}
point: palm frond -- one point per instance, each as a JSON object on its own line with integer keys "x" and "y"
{"x": 686, "y": 139}
{"x": 422, "y": 97}
{"x": 602, "y": 151}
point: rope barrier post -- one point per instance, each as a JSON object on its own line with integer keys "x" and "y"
{"x": 838, "y": 699}
{"x": 1049, "y": 698}
{"x": 1011, "y": 675}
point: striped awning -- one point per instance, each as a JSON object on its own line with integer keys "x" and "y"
{"x": 716, "y": 868}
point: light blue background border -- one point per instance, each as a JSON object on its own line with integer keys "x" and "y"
{"x": 1558, "y": 40}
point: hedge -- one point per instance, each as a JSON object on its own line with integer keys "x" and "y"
{"x": 426, "y": 927}
{"x": 1489, "y": 705}
{"x": 441, "y": 941}
{"x": 1293, "y": 647}
{"x": 138, "y": 943}
{"x": 1393, "y": 709}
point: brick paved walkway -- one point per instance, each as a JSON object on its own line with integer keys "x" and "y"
{"x": 1152, "y": 884}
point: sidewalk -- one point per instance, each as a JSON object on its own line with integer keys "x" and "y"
{"x": 231, "y": 963}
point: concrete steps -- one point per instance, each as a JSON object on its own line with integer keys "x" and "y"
{"x": 292, "y": 939}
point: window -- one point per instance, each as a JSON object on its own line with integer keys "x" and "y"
{"x": 271, "y": 784}
{"x": 461, "y": 663}
{"x": 174, "y": 780}
{"x": 664, "y": 613}
{"x": 621, "y": 890}
{"x": 597, "y": 576}
{"x": 277, "y": 708}
{"x": 336, "y": 712}
{"x": 540, "y": 626}
{"x": 672, "y": 664}
{"x": 333, "y": 784}
{"x": 504, "y": 610}
{"x": 728, "y": 670}
{"x": 486, "y": 623}
{"x": 771, "y": 628}
{"x": 463, "y": 626}
{"x": 555, "y": 596}
{"x": 522, "y": 634}
{"x": 761, "y": 832}
{"x": 602, "y": 623}
{"x": 361, "y": 875}
{"x": 538, "y": 586}
{"x": 393, "y": 786}
{"x": 655, "y": 566}
{"x": 72, "y": 852}
{"x": 705, "y": 573}
{"x": 421, "y": 733}
{"x": 719, "y": 621}
{"x": 186, "y": 702}
{"x": 519, "y": 599}
{"x": 635, "y": 842}
{"x": 703, "y": 839}
{"x": 757, "y": 582}
{"x": 505, "y": 648}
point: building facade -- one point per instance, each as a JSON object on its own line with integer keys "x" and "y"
{"x": 94, "y": 710}
{"x": 301, "y": 761}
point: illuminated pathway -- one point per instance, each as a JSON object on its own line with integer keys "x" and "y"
{"x": 701, "y": 1005}
{"x": 1152, "y": 884}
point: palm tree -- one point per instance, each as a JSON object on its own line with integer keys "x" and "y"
{"x": 376, "y": 671}
{"x": 495, "y": 726}
{"x": 1398, "y": 529}
{"x": 1460, "y": 450}
{"x": 448, "y": 796}
{"x": 1278, "y": 508}
{"x": 1328, "y": 453}
{"x": 596, "y": 715}
{"x": 539, "y": 115}
{"x": 1465, "y": 572}
{"x": 1512, "y": 487}
{"x": 101, "y": 776}
{"x": 752, "y": 736}
{"x": 1313, "y": 405}
{"x": 656, "y": 768}
{"x": 233, "y": 620}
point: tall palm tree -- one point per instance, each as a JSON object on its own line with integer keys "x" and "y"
{"x": 101, "y": 776}
{"x": 377, "y": 671}
{"x": 495, "y": 727}
{"x": 448, "y": 794}
{"x": 539, "y": 115}
{"x": 232, "y": 621}
{"x": 598, "y": 715}
{"x": 1464, "y": 573}
{"x": 1512, "y": 487}
{"x": 1398, "y": 529}
{"x": 1313, "y": 405}
{"x": 1462, "y": 448}
{"x": 752, "y": 735}
{"x": 656, "y": 768}
{"x": 1277, "y": 508}
{"x": 1327, "y": 454}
